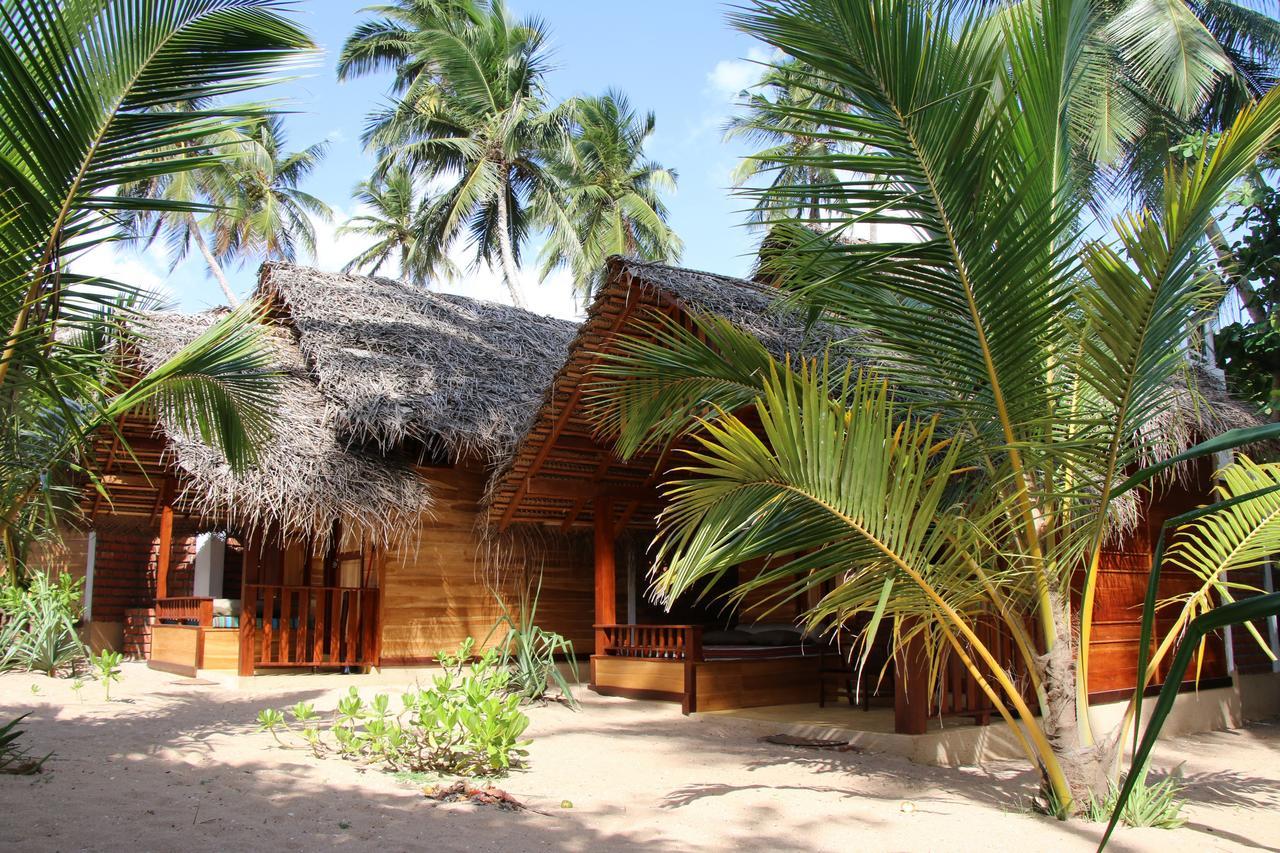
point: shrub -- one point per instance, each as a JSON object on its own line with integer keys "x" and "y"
{"x": 14, "y": 758}
{"x": 529, "y": 652}
{"x": 39, "y": 625}
{"x": 1157, "y": 805}
{"x": 107, "y": 665}
{"x": 467, "y": 722}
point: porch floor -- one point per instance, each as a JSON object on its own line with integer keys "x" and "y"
{"x": 950, "y": 742}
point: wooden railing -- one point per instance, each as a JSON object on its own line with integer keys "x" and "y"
{"x": 659, "y": 642}
{"x": 675, "y": 643}
{"x": 957, "y": 692}
{"x": 185, "y": 610}
{"x": 304, "y": 626}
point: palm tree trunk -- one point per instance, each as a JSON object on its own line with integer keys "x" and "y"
{"x": 1219, "y": 242}
{"x": 509, "y": 269}
{"x": 194, "y": 230}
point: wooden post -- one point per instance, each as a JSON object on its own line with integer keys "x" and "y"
{"x": 692, "y": 657}
{"x": 911, "y": 689}
{"x": 166, "y": 547}
{"x": 606, "y": 578}
{"x": 248, "y": 602}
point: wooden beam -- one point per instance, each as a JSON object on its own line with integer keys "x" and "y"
{"x": 557, "y": 427}
{"x": 552, "y": 487}
{"x": 606, "y": 593}
{"x": 581, "y": 502}
{"x": 106, "y": 469}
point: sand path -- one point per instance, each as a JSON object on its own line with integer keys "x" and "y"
{"x": 172, "y": 765}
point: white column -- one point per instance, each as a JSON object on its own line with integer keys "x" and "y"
{"x": 210, "y": 552}
{"x": 91, "y": 548}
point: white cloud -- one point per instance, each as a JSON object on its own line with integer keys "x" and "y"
{"x": 333, "y": 250}
{"x": 731, "y": 76}
{"x": 553, "y": 296}
{"x": 122, "y": 263}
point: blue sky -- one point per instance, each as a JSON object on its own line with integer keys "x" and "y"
{"x": 678, "y": 58}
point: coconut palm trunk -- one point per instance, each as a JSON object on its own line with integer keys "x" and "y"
{"x": 193, "y": 228}
{"x": 510, "y": 270}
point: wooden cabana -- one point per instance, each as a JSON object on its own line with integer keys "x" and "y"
{"x": 565, "y": 475}
{"x": 433, "y": 452}
{"x": 354, "y": 531}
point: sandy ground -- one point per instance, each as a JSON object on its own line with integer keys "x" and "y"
{"x": 171, "y": 765}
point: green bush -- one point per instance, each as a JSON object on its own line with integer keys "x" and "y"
{"x": 467, "y": 722}
{"x": 14, "y": 758}
{"x": 38, "y": 630}
{"x": 529, "y": 652}
{"x": 1157, "y": 805}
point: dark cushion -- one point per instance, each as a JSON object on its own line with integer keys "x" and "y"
{"x": 780, "y": 637}
{"x": 726, "y": 638}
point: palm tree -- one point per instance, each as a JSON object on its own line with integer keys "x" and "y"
{"x": 795, "y": 150}
{"x": 260, "y": 211}
{"x": 391, "y": 42}
{"x": 191, "y": 190}
{"x": 480, "y": 121}
{"x": 79, "y": 80}
{"x": 1159, "y": 71}
{"x": 394, "y": 222}
{"x": 607, "y": 199}
{"x": 1022, "y": 370}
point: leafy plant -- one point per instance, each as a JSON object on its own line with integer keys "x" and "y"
{"x": 1249, "y": 351}
{"x": 39, "y": 624}
{"x": 14, "y": 758}
{"x": 1236, "y": 613}
{"x": 271, "y": 720}
{"x": 467, "y": 722}
{"x": 1158, "y": 805}
{"x": 120, "y": 87}
{"x": 529, "y": 652}
{"x": 107, "y": 665}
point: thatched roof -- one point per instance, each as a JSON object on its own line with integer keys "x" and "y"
{"x": 750, "y": 305}
{"x": 632, "y": 290}
{"x": 396, "y": 361}
{"x": 370, "y": 362}
{"x": 1202, "y": 408}
{"x": 307, "y": 476}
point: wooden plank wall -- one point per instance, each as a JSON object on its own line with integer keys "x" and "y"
{"x": 1122, "y": 587}
{"x": 434, "y": 590}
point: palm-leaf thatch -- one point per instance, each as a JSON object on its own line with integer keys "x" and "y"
{"x": 398, "y": 362}
{"x": 370, "y": 363}
{"x": 751, "y": 306}
{"x": 306, "y": 477}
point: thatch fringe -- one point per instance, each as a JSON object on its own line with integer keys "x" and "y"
{"x": 306, "y": 477}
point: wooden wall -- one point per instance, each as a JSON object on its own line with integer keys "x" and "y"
{"x": 124, "y": 569}
{"x": 1122, "y": 587}
{"x": 436, "y": 586}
